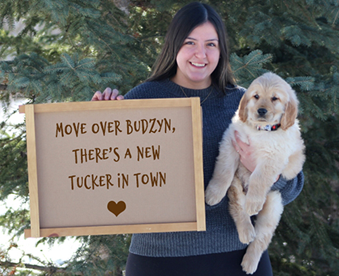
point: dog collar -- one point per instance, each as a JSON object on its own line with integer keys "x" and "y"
{"x": 269, "y": 127}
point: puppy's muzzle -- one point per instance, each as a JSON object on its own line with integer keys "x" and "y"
{"x": 262, "y": 112}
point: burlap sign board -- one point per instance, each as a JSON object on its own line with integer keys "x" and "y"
{"x": 113, "y": 167}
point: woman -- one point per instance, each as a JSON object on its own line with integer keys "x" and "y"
{"x": 195, "y": 62}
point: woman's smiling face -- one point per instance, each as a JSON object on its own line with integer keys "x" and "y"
{"x": 198, "y": 58}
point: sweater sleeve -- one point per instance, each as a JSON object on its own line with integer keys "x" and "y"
{"x": 289, "y": 189}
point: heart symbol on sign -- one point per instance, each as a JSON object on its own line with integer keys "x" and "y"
{"x": 116, "y": 208}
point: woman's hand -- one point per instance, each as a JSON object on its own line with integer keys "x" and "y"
{"x": 245, "y": 151}
{"x": 107, "y": 95}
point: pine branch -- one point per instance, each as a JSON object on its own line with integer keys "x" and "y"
{"x": 49, "y": 269}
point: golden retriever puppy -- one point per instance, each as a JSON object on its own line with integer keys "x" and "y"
{"x": 266, "y": 119}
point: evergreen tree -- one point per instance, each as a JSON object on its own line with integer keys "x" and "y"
{"x": 68, "y": 49}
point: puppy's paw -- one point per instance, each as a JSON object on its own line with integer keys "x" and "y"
{"x": 214, "y": 194}
{"x": 250, "y": 263}
{"x": 254, "y": 206}
{"x": 247, "y": 235}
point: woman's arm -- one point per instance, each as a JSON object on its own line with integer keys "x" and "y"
{"x": 289, "y": 189}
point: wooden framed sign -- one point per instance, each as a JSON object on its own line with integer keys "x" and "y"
{"x": 113, "y": 167}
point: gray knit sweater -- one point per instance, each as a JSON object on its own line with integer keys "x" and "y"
{"x": 221, "y": 234}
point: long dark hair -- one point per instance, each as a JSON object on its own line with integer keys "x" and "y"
{"x": 183, "y": 23}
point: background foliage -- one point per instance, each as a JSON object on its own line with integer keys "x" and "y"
{"x": 68, "y": 49}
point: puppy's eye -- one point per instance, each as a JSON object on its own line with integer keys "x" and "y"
{"x": 256, "y": 96}
{"x": 274, "y": 99}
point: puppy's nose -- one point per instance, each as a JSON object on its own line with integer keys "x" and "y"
{"x": 262, "y": 111}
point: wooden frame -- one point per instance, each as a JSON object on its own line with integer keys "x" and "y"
{"x": 175, "y": 105}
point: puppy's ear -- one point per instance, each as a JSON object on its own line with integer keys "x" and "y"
{"x": 243, "y": 108}
{"x": 291, "y": 112}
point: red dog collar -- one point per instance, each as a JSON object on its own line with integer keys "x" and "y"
{"x": 269, "y": 127}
